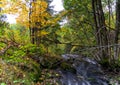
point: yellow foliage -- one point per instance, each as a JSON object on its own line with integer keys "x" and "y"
{"x": 32, "y": 14}
{"x": 43, "y": 33}
{"x": 39, "y": 14}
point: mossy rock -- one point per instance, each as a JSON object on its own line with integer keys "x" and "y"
{"x": 54, "y": 62}
{"x": 67, "y": 67}
{"x": 51, "y": 61}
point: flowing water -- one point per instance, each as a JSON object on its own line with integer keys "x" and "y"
{"x": 88, "y": 72}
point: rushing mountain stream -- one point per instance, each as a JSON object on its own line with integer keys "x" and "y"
{"x": 87, "y": 72}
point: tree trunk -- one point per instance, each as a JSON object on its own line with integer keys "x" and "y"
{"x": 101, "y": 31}
{"x": 117, "y": 30}
{"x": 32, "y": 32}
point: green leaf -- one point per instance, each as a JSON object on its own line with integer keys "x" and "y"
{"x": 2, "y": 84}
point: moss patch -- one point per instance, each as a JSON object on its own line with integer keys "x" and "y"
{"x": 67, "y": 66}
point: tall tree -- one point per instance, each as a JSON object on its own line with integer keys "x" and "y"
{"x": 32, "y": 14}
{"x": 38, "y": 19}
{"x": 101, "y": 30}
{"x": 93, "y": 22}
{"x": 117, "y": 30}
{"x": 80, "y": 21}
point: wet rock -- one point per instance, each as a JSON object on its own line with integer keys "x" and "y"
{"x": 88, "y": 72}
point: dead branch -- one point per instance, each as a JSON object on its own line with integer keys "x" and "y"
{"x": 9, "y": 44}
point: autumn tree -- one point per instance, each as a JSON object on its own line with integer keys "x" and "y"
{"x": 32, "y": 14}
{"x": 39, "y": 19}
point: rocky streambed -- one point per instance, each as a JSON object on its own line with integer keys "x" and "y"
{"x": 79, "y": 70}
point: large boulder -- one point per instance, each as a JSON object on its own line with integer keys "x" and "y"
{"x": 88, "y": 72}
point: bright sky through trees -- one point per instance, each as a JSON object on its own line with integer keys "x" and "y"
{"x": 57, "y": 7}
{"x": 11, "y": 18}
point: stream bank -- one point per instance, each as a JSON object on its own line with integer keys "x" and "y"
{"x": 76, "y": 70}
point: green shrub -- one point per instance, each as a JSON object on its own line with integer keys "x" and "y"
{"x": 33, "y": 49}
